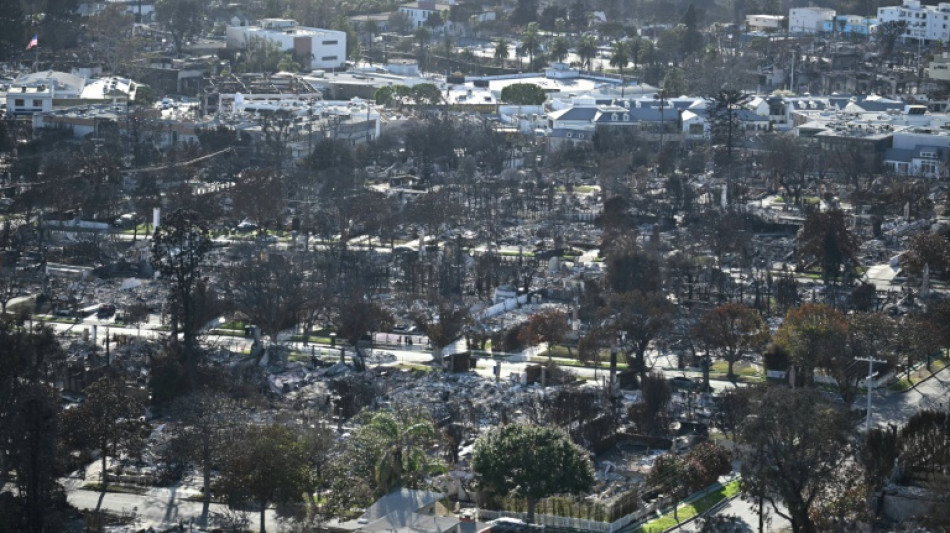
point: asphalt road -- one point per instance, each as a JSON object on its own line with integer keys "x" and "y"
{"x": 748, "y": 512}
{"x": 896, "y": 407}
{"x": 160, "y": 508}
{"x": 165, "y": 508}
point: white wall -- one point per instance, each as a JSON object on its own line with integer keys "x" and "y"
{"x": 808, "y": 19}
{"x": 931, "y": 23}
{"x": 328, "y": 47}
{"x": 26, "y": 103}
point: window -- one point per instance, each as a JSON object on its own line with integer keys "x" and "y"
{"x": 328, "y": 58}
{"x": 328, "y": 43}
{"x": 37, "y": 103}
{"x": 18, "y": 102}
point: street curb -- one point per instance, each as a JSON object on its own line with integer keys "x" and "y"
{"x": 704, "y": 513}
{"x": 915, "y": 385}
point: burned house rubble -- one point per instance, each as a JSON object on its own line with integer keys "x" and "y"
{"x": 572, "y": 267}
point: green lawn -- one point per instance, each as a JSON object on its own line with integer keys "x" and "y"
{"x": 237, "y": 325}
{"x": 579, "y": 189}
{"x": 604, "y": 361}
{"x": 744, "y": 371}
{"x": 113, "y": 487}
{"x": 56, "y": 319}
{"x": 413, "y": 366}
{"x": 903, "y": 383}
{"x": 141, "y": 230}
{"x": 689, "y": 510}
{"x": 559, "y": 351}
{"x": 313, "y": 338}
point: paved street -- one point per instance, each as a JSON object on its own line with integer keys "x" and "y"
{"x": 896, "y": 408}
{"x": 749, "y": 513}
{"x": 160, "y": 508}
{"x": 168, "y": 507}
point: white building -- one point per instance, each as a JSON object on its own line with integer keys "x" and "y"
{"x": 939, "y": 67}
{"x": 38, "y": 92}
{"x": 419, "y": 12}
{"x": 924, "y": 23}
{"x": 314, "y": 48}
{"x": 808, "y": 19}
{"x": 766, "y": 23}
{"x": 142, "y": 10}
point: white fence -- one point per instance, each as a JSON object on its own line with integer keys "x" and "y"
{"x": 654, "y": 509}
{"x": 579, "y": 524}
{"x": 504, "y": 307}
{"x": 550, "y": 521}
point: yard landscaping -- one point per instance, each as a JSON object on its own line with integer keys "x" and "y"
{"x": 692, "y": 509}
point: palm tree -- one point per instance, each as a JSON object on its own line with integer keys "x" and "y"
{"x": 447, "y": 46}
{"x": 559, "y": 49}
{"x": 619, "y": 58}
{"x": 502, "y": 50}
{"x": 587, "y": 50}
{"x": 661, "y": 97}
{"x": 636, "y": 46}
{"x": 531, "y": 42}
{"x": 404, "y": 437}
{"x": 422, "y": 36}
{"x": 371, "y": 30}
{"x": 422, "y": 39}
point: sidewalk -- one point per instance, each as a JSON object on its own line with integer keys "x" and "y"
{"x": 155, "y": 507}
{"x": 689, "y": 508}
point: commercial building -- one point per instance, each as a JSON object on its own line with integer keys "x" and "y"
{"x": 37, "y": 92}
{"x": 809, "y": 19}
{"x": 314, "y": 48}
{"x": 939, "y": 67}
{"x": 764, "y": 23}
{"x": 924, "y": 23}
{"x": 850, "y": 25}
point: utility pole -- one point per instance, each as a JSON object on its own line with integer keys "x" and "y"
{"x": 871, "y": 374}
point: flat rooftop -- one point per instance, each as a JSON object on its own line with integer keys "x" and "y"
{"x": 577, "y": 85}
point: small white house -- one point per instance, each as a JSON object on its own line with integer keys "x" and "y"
{"x": 419, "y": 12}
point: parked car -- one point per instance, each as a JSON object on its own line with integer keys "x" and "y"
{"x": 105, "y": 311}
{"x": 683, "y": 383}
{"x": 125, "y": 221}
{"x": 246, "y": 225}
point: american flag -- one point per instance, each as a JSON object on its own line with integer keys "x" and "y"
{"x": 34, "y": 42}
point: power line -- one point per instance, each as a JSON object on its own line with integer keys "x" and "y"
{"x": 870, "y": 384}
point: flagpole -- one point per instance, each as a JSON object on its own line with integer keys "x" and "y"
{"x": 35, "y": 43}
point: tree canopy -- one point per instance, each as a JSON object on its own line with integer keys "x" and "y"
{"x": 792, "y": 451}
{"x": 534, "y": 461}
{"x": 182, "y": 19}
{"x": 523, "y": 94}
{"x": 179, "y": 247}
{"x": 731, "y": 330}
{"x": 267, "y": 464}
